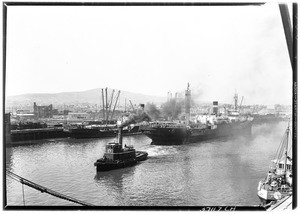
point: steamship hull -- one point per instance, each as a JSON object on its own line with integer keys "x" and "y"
{"x": 82, "y": 133}
{"x": 183, "y": 135}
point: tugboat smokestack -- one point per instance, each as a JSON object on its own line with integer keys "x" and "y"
{"x": 120, "y": 136}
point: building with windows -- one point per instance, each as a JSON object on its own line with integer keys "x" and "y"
{"x": 42, "y": 111}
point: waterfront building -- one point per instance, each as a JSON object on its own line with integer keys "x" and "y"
{"x": 78, "y": 116}
{"x": 42, "y": 111}
{"x": 25, "y": 116}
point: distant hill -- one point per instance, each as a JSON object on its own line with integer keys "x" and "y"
{"x": 90, "y": 96}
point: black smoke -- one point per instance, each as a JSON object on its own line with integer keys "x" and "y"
{"x": 172, "y": 108}
{"x": 152, "y": 111}
{"x": 136, "y": 118}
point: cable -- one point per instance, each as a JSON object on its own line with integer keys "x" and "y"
{"x": 44, "y": 189}
{"x": 23, "y": 194}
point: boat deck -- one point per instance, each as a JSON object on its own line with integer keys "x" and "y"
{"x": 283, "y": 188}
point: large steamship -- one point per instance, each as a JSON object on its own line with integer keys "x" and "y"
{"x": 214, "y": 126}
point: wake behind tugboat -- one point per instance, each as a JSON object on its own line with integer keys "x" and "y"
{"x": 206, "y": 127}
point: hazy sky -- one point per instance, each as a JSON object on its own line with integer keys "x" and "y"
{"x": 150, "y": 50}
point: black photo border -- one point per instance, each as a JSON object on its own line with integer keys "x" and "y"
{"x": 7, "y": 4}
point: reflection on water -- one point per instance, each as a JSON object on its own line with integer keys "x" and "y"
{"x": 8, "y": 158}
{"x": 215, "y": 172}
{"x": 113, "y": 183}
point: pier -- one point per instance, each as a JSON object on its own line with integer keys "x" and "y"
{"x": 285, "y": 203}
{"x": 36, "y": 134}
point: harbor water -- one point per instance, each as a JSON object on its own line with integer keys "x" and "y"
{"x": 222, "y": 172}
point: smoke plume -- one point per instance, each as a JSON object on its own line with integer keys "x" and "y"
{"x": 172, "y": 108}
{"x": 152, "y": 111}
{"x": 136, "y": 118}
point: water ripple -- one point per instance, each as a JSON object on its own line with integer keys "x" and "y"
{"x": 216, "y": 172}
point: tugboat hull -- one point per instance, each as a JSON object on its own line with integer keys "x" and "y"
{"x": 102, "y": 165}
{"x": 264, "y": 201}
{"x": 267, "y": 194}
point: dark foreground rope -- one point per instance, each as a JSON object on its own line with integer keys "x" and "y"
{"x": 44, "y": 189}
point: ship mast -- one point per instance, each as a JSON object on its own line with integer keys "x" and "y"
{"x": 235, "y": 101}
{"x": 187, "y": 104}
{"x": 103, "y": 104}
{"x": 112, "y": 114}
{"x": 286, "y": 149}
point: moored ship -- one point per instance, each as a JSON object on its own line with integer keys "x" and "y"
{"x": 268, "y": 118}
{"x": 101, "y": 131}
{"x": 107, "y": 127}
{"x": 278, "y": 182}
{"x": 213, "y": 126}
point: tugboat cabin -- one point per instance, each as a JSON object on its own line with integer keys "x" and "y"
{"x": 114, "y": 151}
{"x": 282, "y": 165}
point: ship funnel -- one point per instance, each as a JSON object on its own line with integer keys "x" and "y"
{"x": 215, "y": 107}
{"x": 120, "y": 136}
{"x": 187, "y": 104}
{"x": 235, "y": 101}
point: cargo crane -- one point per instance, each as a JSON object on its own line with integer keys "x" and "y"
{"x": 132, "y": 106}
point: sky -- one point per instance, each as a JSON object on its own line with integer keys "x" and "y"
{"x": 150, "y": 50}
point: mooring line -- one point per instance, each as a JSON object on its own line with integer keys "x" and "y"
{"x": 44, "y": 189}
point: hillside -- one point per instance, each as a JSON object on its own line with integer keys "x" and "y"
{"x": 90, "y": 96}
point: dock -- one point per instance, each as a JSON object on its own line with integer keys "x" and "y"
{"x": 285, "y": 203}
{"x": 36, "y": 134}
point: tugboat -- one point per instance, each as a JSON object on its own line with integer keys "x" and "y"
{"x": 118, "y": 156}
{"x": 278, "y": 183}
{"x": 206, "y": 127}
